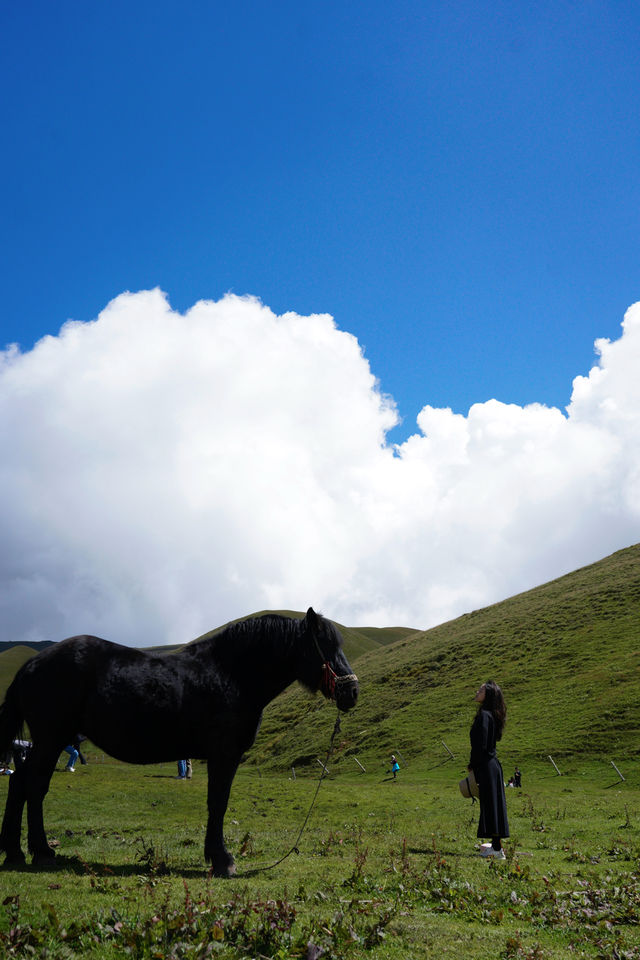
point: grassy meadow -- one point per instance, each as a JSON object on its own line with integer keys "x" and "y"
{"x": 385, "y": 869}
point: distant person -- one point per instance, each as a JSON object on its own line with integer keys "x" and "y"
{"x": 189, "y": 770}
{"x": 517, "y": 778}
{"x": 395, "y": 766}
{"x": 486, "y": 730}
{"x": 73, "y": 749}
{"x": 78, "y": 739}
{"x": 20, "y": 750}
{"x": 73, "y": 756}
{"x": 182, "y": 769}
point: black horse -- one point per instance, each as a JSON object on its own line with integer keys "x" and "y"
{"x": 205, "y": 702}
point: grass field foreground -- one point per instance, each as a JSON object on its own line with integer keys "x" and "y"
{"x": 385, "y": 869}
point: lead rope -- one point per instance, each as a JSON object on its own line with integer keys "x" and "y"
{"x": 294, "y": 848}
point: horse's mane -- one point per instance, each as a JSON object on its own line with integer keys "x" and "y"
{"x": 271, "y": 629}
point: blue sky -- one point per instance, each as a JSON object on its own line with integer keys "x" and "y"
{"x": 456, "y": 184}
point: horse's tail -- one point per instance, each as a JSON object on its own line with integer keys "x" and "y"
{"x": 11, "y": 720}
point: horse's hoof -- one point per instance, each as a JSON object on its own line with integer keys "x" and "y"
{"x": 14, "y": 861}
{"x": 44, "y": 859}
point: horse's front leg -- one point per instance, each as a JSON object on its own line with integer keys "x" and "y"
{"x": 220, "y": 777}
{"x": 12, "y": 821}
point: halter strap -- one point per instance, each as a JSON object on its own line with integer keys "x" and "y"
{"x": 330, "y": 679}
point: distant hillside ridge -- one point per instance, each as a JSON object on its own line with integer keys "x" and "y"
{"x": 567, "y": 655}
{"x": 35, "y": 645}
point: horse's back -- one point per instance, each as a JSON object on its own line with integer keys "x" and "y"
{"x": 54, "y": 687}
{"x": 61, "y": 659}
{"x": 82, "y": 650}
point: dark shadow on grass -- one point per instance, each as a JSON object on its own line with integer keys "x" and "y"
{"x": 104, "y": 870}
{"x": 19, "y": 868}
{"x": 163, "y": 776}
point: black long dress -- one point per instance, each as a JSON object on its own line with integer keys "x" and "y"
{"x": 488, "y": 773}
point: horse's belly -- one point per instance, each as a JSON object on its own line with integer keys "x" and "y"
{"x": 150, "y": 739}
{"x": 143, "y": 752}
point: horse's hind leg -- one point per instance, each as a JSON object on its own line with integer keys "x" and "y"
{"x": 41, "y": 766}
{"x": 12, "y": 821}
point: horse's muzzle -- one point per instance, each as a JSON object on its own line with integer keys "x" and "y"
{"x": 347, "y": 695}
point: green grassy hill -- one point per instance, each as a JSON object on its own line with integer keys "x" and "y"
{"x": 10, "y": 661}
{"x": 567, "y": 655}
{"x": 359, "y": 640}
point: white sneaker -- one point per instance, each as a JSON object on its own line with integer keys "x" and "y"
{"x": 485, "y": 846}
{"x": 70, "y": 769}
{"x": 490, "y": 852}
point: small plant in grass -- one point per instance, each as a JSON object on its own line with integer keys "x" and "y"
{"x": 516, "y": 950}
{"x": 17, "y": 935}
{"x": 537, "y": 823}
{"x": 152, "y": 859}
{"x": 101, "y": 882}
{"x": 357, "y": 880}
{"x": 574, "y": 855}
{"x": 247, "y": 846}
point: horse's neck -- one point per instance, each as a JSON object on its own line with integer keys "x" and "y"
{"x": 273, "y": 672}
{"x": 262, "y": 671}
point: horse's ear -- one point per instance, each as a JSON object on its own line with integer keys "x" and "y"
{"x": 311, "y": 618}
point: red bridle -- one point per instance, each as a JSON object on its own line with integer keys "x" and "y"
{"x": 328, "y": 682}
{"x": 331, "y": 680}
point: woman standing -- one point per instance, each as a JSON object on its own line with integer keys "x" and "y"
{"x": 485, "y": 732}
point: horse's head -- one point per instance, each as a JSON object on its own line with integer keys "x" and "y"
{"x": 327, "y": 668}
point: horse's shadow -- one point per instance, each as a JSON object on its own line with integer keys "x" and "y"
{"x": 162, "y": 776}
{"x": 104, "y": 871}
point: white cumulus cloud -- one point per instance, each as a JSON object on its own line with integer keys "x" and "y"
{"x": 163, "y": 473}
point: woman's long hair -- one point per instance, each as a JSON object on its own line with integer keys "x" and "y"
{"x": 494, "y": 703}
